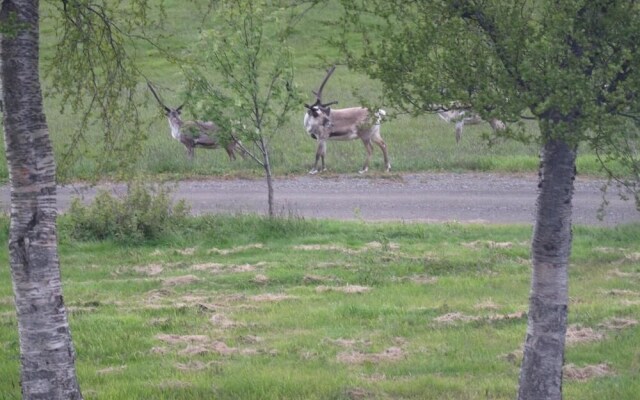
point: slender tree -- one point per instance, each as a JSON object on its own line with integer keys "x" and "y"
{"x": 93, "y": 73}
{"x": 571, "y": 65}
{"x": 254, "y": 94}
{"x": 47, "y": 353}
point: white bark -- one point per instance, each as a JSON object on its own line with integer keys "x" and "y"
{"x": 47, "y": 353}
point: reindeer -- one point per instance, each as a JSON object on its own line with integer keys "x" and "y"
{"x": 463, "y": 117}
{"x": 194, "y": 134}
{"x": 323, "y": 123}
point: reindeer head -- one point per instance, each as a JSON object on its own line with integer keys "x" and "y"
{"x": 168, "y": 111}
{"x": 173, "y": 114}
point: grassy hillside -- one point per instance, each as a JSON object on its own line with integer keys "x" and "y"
{"x": 415, "y": 143}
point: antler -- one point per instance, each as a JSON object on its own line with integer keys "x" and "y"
{"x": 167, "y": 109}
{"x": 318, "y": 94}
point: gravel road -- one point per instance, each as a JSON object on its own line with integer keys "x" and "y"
{"x": 423, "y": 197}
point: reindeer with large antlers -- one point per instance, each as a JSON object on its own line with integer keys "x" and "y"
{"x": 194, "y": 134}
{"x": 323, "y": 123}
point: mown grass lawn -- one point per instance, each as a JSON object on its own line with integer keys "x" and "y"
{"x": 248, "y": 308}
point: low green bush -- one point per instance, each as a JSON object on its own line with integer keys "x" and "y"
{"x": 144, "y": 212}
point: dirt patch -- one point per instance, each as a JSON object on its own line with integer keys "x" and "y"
{"x": 358, "y": 394}
{"x": 423, "y": 279}
{"x": 577, "y": 334}
{"x": 180, "y": 280}
{"x": 587, "y": 372}
{"x": 194, "y": 345}
{"x": 149, "y": 270}
{"x": 622, "y": 292}
{"x": 111, "y": 370}
{"x": 260, "y": 279}
{"x": 515, "y": 357}
{"x": 345, "y": 250}
{"x": 195, "y": 365}
{"x": 348, "y": 343}
{"x": 237, "y": 249}
{"x": 621, "y": 274}
{"x": 503, "y": 317}
{"x": 354, "y": 357}
{"x": 193, "y": 299}
{"x": 215, "y": 346}
{"x": 251, "y": 339}
{"x": 455, "y": 317}
{"x": 216, "y": 268}
{"x": 158, "y": 294}
{"x": 322, "y": 247}
{"x": 181, "y": 339}
{"x": 314, "y": 279}
{"x": 487, "y": 305}
{"x": 223, "y": 322}
{"x": 160, "y": 350}
{"x": 617, "y": 324}
{"x": 350, "y": 289}
{"x": 271, "y": 297}
{"x": 209, "y": 267}
{"x": 326, "y": 265}
{"x": 487, "y": 244}
{"x": 7, "y": 301}
{"x": 633, "y": 257}
{"x": 375, "y": 377}
{"x": 452, "y": 318}
{"x": 79, "y": 310}
{"x": 158, "y": 321}
{"x": 186, "y": 252}
{"x": 174, "y": 384}
{"x": 609, "y": 250}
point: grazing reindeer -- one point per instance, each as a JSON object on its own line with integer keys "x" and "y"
{"x": 194, "y": 134}
{"x": 322, "y": 123}
{"x": 464, "y": 117}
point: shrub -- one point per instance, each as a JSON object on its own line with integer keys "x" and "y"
{"x": 145, "y": 212}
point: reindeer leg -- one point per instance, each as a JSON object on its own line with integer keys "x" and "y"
{"x": 320, "y": 152}
{"x": 383, "y": 146}
{"x": 459, "y": 126}
{"x": 230, "y": 151}
{"x": 369, "y": 147}
{"x": 191, "y": 153}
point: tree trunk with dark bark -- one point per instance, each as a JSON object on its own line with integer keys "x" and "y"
{"x": 541, "y": 371}
{"x": 46, "y": 350}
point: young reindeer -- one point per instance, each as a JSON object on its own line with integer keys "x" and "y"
{"x": 464, "y": 117}
{"x": 194, "y": 134}
{"x": 323, "y": 123}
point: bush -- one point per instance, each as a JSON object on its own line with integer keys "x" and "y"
{"x": 145, "y": 212}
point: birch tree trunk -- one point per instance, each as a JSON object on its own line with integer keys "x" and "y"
{"x": 541, "y": 371}
{"x": 46, "y": 350}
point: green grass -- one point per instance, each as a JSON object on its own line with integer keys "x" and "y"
{"x": 264, "y": 304}
{"x": 423, "y": 143}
